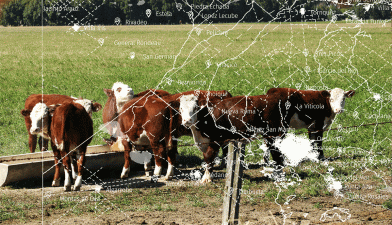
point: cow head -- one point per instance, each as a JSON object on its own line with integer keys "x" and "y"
{"x": 89, "y": 106}
{"x": 123, "y": 94}
{"x": 188, "y": 109}
{"x": 40, "y": 116}
{"x": 337, "y": 99}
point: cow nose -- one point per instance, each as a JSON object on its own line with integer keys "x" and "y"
{"x": 34, "y": 130}
{"x": 186, "y": 123}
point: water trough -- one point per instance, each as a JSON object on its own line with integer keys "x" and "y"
{"x": 16, "y": 168}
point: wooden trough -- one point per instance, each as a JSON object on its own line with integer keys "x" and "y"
{"x": 16, "y": 168}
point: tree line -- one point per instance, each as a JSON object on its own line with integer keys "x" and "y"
{"x": 139, "y": 12}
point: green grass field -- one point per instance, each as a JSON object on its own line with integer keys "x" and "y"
{"x": 257, "y": 57}
{"x": 75, "y": 64}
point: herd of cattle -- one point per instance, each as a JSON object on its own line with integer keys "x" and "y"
{"x": 156, "y": 119}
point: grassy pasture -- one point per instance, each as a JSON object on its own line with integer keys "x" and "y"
{"x": 74, "y": 63}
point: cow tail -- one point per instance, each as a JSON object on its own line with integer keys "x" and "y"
{"x": 58, "y": 129}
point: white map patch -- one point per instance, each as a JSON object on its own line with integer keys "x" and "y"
{"x": 296, "y": 149}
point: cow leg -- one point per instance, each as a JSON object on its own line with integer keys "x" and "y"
{"x": 317, "y": 142}
{"x": 127, "y": 149}
{"x": 171, "y": 157}
{"x": 57, "y": 166}
{"x": 276, "y": 154}
{"x": 32, "y": 138}
{"x": 147, "y": 164}
{"x": 80, "y": 164}
{"x": 159, "y": 159}
{"x": 209, "y": 156}
{"x": 266, "y": 155}
{"x": 45, "y": 147}
{"x": 32, "y": 142}
{"x": 43, "y": 144}
{"x": 67, "y": 170}
{"x": 147, "y": 168}
{"x": 74, "y": 165}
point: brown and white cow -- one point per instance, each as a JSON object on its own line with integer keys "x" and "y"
{"x": 117, "y": 97}
{"x": 70, "y": 129}
{"x": 269, "y": 115}
{"x": 52, "y": 99}
{"x": 145, "y": 121}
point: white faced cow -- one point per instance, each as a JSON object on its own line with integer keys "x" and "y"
{"x": 270, "y": 115}
{"x": 32, "y": 100}
{"x": 70, "y": 129}
{"x": 145, "y": 121}
{"x": 123, "y": 93}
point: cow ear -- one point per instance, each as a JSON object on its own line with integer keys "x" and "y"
{"x": 25, "y": 112}
{"x": 52, "y": 108}
{"x": 108, "y": 92}
{"x": 175, "y": 105}
{"x": 349, "y": 94}
{"x": 97, "y": 107}
{"x": 325, "y": 94}
{"x": 202, "y": 103}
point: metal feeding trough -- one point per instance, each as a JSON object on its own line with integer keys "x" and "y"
{"x": 41, "y": 164}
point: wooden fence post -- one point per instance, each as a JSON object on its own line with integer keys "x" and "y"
{"x": 231, "y": 201}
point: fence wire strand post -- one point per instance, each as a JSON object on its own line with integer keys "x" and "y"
{"x": 231, "y": 201}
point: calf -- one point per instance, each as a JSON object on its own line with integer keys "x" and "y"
{"x": 144, "y": 121}
{"x": 70, "y": 129}
{"x": 32, "y": 100}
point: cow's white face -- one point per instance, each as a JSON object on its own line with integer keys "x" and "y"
{"x": 338, "y": 99}
{"x": 188, "y": 109}
{"x": 122, "y": 92}
{"x": 39, "y": 119}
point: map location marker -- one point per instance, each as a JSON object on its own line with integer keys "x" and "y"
{"x": 100, "y": 41}
{"x": 132, "y": 55}
{"x": 148, "y": 13}
{"x": 302, "y": 11}
{"x": 179, "y": 6}
{"x": 190, "y": 14}
{"x": 306, "y": 52}
{"x": 307, "y": 69}
{"x": 76, "y": 27}
{"x": 117, "y": 21}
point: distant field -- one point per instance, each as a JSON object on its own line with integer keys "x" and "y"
{"x": 256, "y": 57}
